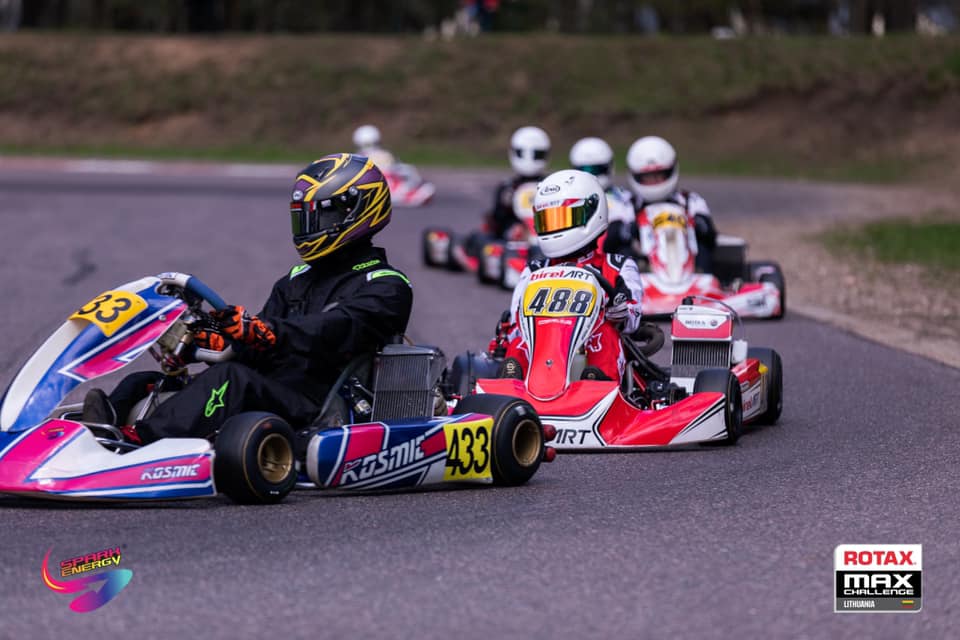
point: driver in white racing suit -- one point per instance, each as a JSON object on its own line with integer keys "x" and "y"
{"x": 570, "y": 214}
{"x": 654, "y": 174}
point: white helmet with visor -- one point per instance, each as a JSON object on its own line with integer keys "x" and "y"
{"x": 595, "y": 156}
{"x": 529, "y": 148}
{"x": 569, "y": 212}
{"x": 653, "y": 167}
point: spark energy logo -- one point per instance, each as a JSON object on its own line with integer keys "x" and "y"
{"x": 96, "y": 589}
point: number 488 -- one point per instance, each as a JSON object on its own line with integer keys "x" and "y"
{"x": 560, "y": 301}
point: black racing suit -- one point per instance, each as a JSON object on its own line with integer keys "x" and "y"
{"x": 323, "y": 315}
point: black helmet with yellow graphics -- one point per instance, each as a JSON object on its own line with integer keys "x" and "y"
{"x": 337, "y": 200}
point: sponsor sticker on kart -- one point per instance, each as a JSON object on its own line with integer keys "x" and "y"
{"x": 469, "y": 446}
{"x": 877, "y": 578}
{"x": 110, "y": 310}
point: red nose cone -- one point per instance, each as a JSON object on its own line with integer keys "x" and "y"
{"x": 549, "y": 432}
{"x": 549, "y": 454}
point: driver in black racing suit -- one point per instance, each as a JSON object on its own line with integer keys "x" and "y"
{"x": 345, "y": 300}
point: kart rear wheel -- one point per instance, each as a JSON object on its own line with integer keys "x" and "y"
{"x": 723, "y": 381}
{"x": 771, "y": 360}
{"x": 771, "y": 272}
{"x": 518, "y": 443}
{"x": 254, "y": 461}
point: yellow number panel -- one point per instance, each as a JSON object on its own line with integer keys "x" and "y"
{"x": 110, "y": 310}
{"x": 469, "y": 450}
{"x": 559, "y": 297}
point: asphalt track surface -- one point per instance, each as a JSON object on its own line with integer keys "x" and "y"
{"x": 706, "y": 543}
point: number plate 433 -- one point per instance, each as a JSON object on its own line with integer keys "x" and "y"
{"x": 469, "y": 449}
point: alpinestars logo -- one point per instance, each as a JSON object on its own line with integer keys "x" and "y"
{"x": 878, "y": 577}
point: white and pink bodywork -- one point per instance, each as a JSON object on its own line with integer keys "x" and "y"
{"x": 44, "y": 455}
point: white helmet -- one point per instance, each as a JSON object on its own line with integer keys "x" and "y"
{"x": 529, "y": 147}
{"x": 653, "y": 167}
{"x": 569, "y": 212}
{"x": 595, "y": 156}
{"x": 366, "y": 136}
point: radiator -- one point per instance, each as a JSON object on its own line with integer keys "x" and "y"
{"x": 692, "y": 357}
{"x": 404, "y": 383}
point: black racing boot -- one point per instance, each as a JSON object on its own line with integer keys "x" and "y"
{"x": 97, "y": 408}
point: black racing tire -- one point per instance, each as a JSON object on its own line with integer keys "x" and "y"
{"x": 518, "y": 443}
{"x": 723, "y": 381}
{"x": 771, "y": 360}
{"x": 774, "y": 275}
{"x": 427, "y": 258}
{"x": 254, "y": 461}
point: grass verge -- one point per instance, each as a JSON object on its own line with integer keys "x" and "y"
{"x": 932, "y": 242}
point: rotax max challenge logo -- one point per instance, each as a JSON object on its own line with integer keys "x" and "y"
{"x": 100, "y": 578}
{"x": 878, "y": 577}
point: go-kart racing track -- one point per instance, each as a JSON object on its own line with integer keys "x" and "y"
{"x": 706, "y": 542}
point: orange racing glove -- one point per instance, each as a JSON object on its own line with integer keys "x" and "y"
{"x": 243, "y": 328}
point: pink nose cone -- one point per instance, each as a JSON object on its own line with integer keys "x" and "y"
{"x": 549, "y": 432}
{"x": 549, "y": 454}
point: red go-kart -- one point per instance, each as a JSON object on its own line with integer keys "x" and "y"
{"x": 714, "y": 385}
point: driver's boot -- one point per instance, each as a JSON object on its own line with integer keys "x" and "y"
{"x": 97, "y": 408}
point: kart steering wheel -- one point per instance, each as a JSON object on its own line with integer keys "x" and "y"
{"x": 645, "y": 341}
{"x": 199, "y": 292}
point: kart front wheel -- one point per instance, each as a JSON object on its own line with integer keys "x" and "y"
{"x": 254, "y": 461}
{"x": 771, "y": 272}
{"x": 432, "y": 245}
{"x": 723, "y": 381}
{"x": 517, "y": 442}
{"x": 774, "y": 384}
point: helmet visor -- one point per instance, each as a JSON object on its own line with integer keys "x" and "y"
{"x": 653, "y": 177}
{"x": 564, "y": 216}
{"x": 307, "y": 218}
{"x": 538, "y": 154}
{"x": 596, "y": 169}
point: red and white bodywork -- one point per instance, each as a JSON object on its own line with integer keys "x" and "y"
{"x": 701, "y": 337}
{"x": 669, "y": 241}
{"x": 559, "y": 312}
{"x": 407, "y": 188}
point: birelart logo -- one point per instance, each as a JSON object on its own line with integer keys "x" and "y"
{"x": 102, "y": 584}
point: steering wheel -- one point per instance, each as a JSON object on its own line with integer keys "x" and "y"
{"x": 194, "y": 292}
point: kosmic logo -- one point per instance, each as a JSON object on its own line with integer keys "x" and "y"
{"x": 377, "y": 464}
{"x": 878, "y": 577}
{"x": 100, "y": 582}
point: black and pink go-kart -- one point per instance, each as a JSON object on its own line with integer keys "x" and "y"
{"x": 383, "y": 425}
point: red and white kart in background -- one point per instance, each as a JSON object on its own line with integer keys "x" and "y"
{"x": 669, "y": 242}
{"x": 407, "y": 188}
{"x": 714, "y": 385}
{"x": 494, "y": 260}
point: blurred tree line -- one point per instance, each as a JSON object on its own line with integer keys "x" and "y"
{"x": 569, "y": 16}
